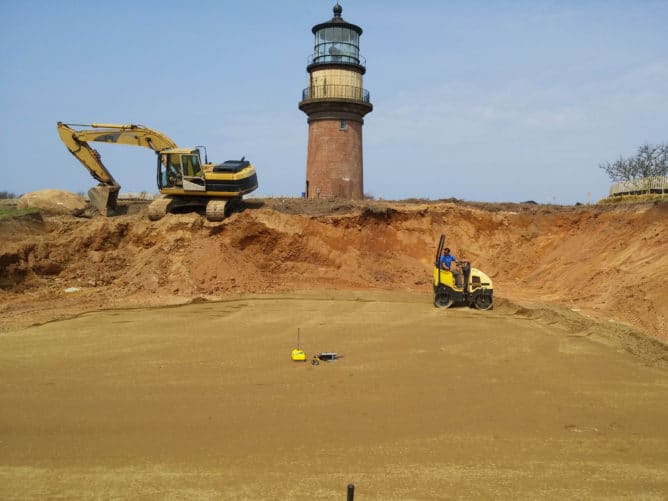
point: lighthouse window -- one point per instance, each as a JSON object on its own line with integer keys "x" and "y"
{"x": 343, "y": 124}
{"x": 336, "y": 44}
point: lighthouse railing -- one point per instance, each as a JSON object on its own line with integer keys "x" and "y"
{"x": 336, "y": 91}
{"x": 336, "y": 58}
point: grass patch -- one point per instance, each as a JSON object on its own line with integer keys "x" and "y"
{"x": 7, "y": 212}
{"x": 634, "y": 199}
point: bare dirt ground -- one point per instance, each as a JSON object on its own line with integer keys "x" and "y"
{"x": 151, "y": 359}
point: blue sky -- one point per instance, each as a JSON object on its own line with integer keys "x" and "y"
{"x": 478, "y": 100}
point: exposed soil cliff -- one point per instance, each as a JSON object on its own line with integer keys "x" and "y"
{"x": 607, "y": 262}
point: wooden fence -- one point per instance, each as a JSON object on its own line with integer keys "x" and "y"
{"x": 653, "y": 184}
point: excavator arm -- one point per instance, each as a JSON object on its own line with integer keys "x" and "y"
{"x": 104, "y": 196}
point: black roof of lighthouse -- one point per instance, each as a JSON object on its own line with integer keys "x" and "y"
{"x": 337, "y": 21}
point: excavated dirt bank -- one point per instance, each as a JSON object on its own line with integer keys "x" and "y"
{"x": 608, "y": 263}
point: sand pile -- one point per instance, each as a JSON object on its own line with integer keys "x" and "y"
{"x": 53, "y": 202}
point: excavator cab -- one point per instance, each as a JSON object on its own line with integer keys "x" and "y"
{"x": 180, "y": 169}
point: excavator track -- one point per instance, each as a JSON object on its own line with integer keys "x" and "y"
{"x": 159, "y": 207}
{"x": 216, "y": 210}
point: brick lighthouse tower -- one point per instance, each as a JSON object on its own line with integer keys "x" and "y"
{"x": 335, "y": 102}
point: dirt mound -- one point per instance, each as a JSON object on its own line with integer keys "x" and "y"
{"x": 606, "y": 262}
{"x": 53, "y": 202}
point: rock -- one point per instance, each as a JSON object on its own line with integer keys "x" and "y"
{"x": 53, "y": 202}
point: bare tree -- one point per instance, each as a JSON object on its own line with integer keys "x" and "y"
{"x": 649, "y": 161}
{"x": 619, "y": 170}
{"x": 662, "y": 160}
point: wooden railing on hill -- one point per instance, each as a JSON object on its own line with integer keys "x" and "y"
{"x": 653, "y": 184}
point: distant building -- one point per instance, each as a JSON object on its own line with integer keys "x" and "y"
{"x": 335, "y": 102}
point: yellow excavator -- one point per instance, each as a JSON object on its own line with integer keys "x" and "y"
{"x": 183, "y": 179}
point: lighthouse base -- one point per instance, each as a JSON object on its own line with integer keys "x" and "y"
{"x": 334, "y": 160}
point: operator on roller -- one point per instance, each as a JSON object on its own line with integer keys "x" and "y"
{"x": 446, "y": 262}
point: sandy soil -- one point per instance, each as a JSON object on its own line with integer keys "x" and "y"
{"x": 203, "y": 402}
{"x": 151, "y": 359}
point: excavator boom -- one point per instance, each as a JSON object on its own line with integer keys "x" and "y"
{"x": 130, "y": 134}
{"x": 104, "y": 196}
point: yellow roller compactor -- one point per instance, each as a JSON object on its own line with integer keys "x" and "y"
{"x": 476, "y": 291}
{"x": 183, "y": 179}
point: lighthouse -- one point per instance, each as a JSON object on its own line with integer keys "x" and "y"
{"x": 335, "y": 102}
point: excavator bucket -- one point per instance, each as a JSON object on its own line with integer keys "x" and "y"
{"x": 103, "y": 198}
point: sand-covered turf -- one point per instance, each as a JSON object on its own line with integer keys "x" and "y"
{"x": 203, "y": 402}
